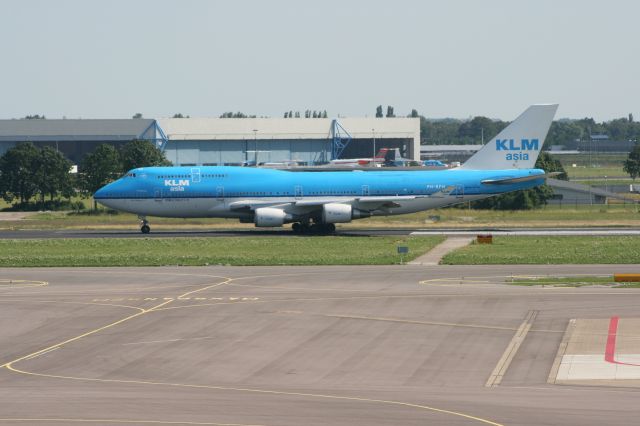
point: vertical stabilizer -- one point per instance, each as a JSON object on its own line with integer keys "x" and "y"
{"x": 519, "y": 144}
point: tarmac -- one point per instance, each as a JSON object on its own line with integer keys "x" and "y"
{"x": 387, "y": 345}
{"x": 134, "y": 232}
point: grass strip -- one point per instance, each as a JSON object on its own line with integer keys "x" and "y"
{"x": 549, "y": 250}
{"x": 326, "y": 250}
{"x": 573, "y": 282}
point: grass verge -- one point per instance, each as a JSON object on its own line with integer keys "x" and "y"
{"x": 573, "y": 282}
{"x": 211, "y": 251}
{"x": 549, "y": 250}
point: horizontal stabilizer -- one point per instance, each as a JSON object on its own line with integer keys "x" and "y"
{"x": 508, "y": 181}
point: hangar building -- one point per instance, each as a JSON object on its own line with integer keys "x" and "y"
{"x": 74, "y": 138}
{"x": 224, "y": 141}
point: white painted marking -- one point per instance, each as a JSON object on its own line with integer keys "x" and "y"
{"x": 594, "y": 367}
{"x": 510, "y": 352}
{"x": 42, "y": 353}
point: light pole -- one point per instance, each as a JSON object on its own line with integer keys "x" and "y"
{"x": 373, "y": 157}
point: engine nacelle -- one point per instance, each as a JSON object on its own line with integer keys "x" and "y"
{"x": 337, "y": 213}
{"x": 269, "y": 216}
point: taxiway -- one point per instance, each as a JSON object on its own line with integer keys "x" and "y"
{"x": 385, "y": 345}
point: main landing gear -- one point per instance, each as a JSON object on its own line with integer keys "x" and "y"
{"x": 315, "y": 228}
{"x": 144, "y": 225}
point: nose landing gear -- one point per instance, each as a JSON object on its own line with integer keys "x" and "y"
{"x": 144, "y": 225}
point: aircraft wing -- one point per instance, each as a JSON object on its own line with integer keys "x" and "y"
{"x": 367, "y": 203}
{"x": 255, "y": 204}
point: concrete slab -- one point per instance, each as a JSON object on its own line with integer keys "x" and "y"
{"x": 602, "y": 350}
{"x": 435, "y": 255}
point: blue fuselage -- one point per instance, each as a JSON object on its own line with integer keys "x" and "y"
{"x": 213, "y": 191}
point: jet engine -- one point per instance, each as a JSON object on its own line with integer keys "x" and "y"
{"x": 336, "y": 213}
{"x": 269, "y": 216}
{"x": 341, "y": 213}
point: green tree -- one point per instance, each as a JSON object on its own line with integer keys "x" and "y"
{"x": 479, "y": 129}
{"x": 414, "y": 113}
{"x": 137, "y": 115}
{"x": 379, "y": 111}
{"x": 229, "y": 114}
{"x": 16, "y": 170}
{"x": 632, "y": 163}
{"x": 51, "y": 174}
{"x": 550, "y": 164}
{"x": 390, "y": 111}
{"x": 562, "y": 132}
{"x": 324, "y": 114}
{"x": 141, "y": 153}
{"x": 178, "y": 115}
{"x": 35, "y": 117}
{"x": 98, "y": 168}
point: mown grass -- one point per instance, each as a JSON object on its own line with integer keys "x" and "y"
{"x": 586, "y": 159}
{"x": 211, "y": 251}
{"x": 575, "y": 281}
{"x": 549, "y": 250}
{"x": 581, "y": 172}
{"x": 604, "y": 182}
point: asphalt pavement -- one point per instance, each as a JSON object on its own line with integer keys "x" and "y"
{"x": 284, "y": 232}
{"x": 388, "y": 345}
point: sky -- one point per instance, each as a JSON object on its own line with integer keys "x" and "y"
{"x": 447, "y": 58}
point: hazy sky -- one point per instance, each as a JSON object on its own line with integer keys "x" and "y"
{"x": 110, "y": 59}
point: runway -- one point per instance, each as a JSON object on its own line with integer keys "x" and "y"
{"x": 386, "y": 345}
{"x": 279, "y": 232}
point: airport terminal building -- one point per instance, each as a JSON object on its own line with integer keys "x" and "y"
{"x": 224, "y": 141}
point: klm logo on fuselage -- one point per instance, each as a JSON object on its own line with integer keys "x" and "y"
{"x": 176, "y": 184}
{"x": 513, "y": 145}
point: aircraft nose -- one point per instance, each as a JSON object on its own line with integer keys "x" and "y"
{"x": 106, "y": 194}
{"x": 102, "y": 193}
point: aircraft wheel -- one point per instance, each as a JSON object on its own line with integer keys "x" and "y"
{"x": 330, "y": 228}
{"x": 296, "y": 227}
{"x": 145, "y": 229}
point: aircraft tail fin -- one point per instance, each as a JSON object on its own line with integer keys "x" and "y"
{"x": 519, "y": 144}
{"x": 382, "y": 153}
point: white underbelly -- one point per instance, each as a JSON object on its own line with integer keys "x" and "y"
{"x": 169, "y": 207}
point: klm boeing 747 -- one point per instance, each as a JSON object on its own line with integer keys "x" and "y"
{"x": 316, "y": 201}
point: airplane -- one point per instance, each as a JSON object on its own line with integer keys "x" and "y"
{"x": 377, "y": 161}
{"x": 316, "y": 201}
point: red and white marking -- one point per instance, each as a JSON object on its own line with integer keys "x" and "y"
{"x": 611, "y": 366}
